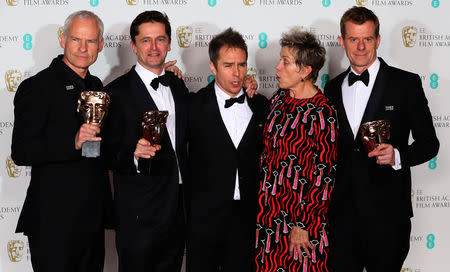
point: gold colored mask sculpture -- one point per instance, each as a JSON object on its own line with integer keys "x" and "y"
{"x": 375, "y": 133}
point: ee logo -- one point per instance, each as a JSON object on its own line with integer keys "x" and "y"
{"x": 435, "y": 3}
{"x": 326, "y": 3}
{"x": 27, "y": 45}
{"x": 94, "y": 3}
{"x": 212, "y": 3}
{"x": 434, "y": 81}
{"x": 211, "y": 78}
{"x": 262, "y": 40}
{"x": 325, "y": 78}
{"x": 432, "y": 164}
{"x": 430, "y": 241}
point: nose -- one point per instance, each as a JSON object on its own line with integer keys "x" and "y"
{"x": 361, "y": 45}
{"x": 153, "y": 45}
{"x": 236, "y": 71}
{"x": 83, "y": 46}
{"x": 278, "y": 66}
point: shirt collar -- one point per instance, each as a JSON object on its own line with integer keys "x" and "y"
{"x": 222, "y": 96}
{"x": 373, "y": 70}
{"x": 146, "y": 75}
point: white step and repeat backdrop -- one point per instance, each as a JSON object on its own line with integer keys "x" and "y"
{"x": 29, "y": 40}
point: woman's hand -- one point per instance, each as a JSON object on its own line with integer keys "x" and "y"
{"x": 298, "y": 243}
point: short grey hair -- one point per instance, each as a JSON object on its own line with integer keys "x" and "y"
{"x": 307, "y": 50}
{"x": 84, "y": 14}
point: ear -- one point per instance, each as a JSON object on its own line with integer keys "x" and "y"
{"x": 306, "y": 70}
{"x": 62, "y": 41}
{"x": 213, "y": 68}
{"x": 168, "y": 46}
{"x": 378, "y": 41}
{"x": 100, "y": 46}
{"x": 133, "y": 46}
{"x": 341, "y": 42}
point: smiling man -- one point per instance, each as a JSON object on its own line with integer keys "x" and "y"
{"x": 225, "y": 141}
{"x": 68, "y": 194}
{"x": 148, "y": 200}
{"x": 371, "y": 207}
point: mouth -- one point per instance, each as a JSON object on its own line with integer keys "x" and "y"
{"x": 236, "y": 84}
{"x": 154, "y": 54}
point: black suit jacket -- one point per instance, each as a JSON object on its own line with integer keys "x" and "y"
{"x": 152, "y": 199}
{"x": 213, "y": 161}
{"x": 67, "y": 192}
{"x": 372, "y": 190}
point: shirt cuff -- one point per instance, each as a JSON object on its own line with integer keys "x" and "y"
{"x": 398, "y": 163}
{"x": 136, "y": 164}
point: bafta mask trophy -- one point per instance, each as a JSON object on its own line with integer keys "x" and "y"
{"x": 153, "y": 123}
{"x": 375, "y": 133}
{"x": 93, "y": 107}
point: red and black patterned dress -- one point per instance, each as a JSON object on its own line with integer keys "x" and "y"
{"x": 298, "y": 166}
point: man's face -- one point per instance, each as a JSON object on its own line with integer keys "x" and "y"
{"x": 151, "y": 46}
{"x": 230, "y": 70}
{"x": 360, "y": 44}
{"x": 81, "y": 45}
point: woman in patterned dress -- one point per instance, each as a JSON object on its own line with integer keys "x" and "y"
{"x": 298, "y": 163}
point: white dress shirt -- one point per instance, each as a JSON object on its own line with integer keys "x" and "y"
{"x": 236, "y": 119}
{"x": 355, "y": 100}
{"x": 164, "y": 102}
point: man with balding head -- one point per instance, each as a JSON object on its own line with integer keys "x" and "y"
{"x": 68, "y": 195}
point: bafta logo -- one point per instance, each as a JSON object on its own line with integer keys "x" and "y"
{"x": 12, "y": 2}
{"x": 409, "y": 35}
{"x": 132, "y": 2}
{"x": 361, "y": 2}
{"x": 12, "y": 169}
{"x": 15, "y": 250}
{"x": 249, "y": 2}
{"x": 59, "y": 33}
{"x": 406, "y": 270}
{"x": 12, "y": 80}
{"x": 184, "y": 35}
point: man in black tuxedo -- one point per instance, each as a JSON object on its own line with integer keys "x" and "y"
{"x": 371, "y": 206}
{"x": 68, "y": 195}
{"x": 148, "y": 196}
{"x": 225, "y": 141}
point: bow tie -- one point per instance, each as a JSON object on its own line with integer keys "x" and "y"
{"x": 231, "y": 101}
{"x": 364, "y": 77}
{"x": 164, "y": 80}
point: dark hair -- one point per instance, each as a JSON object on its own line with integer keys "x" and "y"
{"x": 307, "y": 50}
{"x": 229, "y": 38}
{"x": 359, "y": 15}
{"x": 149, "y": 16}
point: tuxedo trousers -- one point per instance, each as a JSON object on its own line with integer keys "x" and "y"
{"x": 370, "y": 242}
{"x": 228, "y": 249}
{"x": 67, "y": 252}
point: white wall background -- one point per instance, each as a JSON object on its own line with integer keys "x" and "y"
{"x": 29, "y": 41}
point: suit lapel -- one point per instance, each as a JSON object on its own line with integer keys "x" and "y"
{"x": 180, "y": 112}
{"x": 215, "y": 117}
{"x": 377, "y": 94}
{"x": 344, "y": 125}
{"x": 250, "y": 130}
{"x": 144, "y": 101}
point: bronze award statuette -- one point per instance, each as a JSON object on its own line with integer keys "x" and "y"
{"x": 375, "y": 133}
{"x": 92, "y": 107}
{"x": 153, "y": 123}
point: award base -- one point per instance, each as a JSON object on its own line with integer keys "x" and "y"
{"x": 90, "y": 149}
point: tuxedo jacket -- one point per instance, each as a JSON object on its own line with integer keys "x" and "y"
{"x": 374, "y": 190}
{"x": 213, "y": 161}
{"x": 148, "y": 200}
{"x": 67, "y": 192}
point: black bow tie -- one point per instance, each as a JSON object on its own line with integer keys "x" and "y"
{"x": 164, "y": 80}
{"x": 364, "y": 77}
{"x": 229, "y": 102}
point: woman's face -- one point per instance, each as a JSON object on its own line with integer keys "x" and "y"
{"x": 288, "y": 73}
